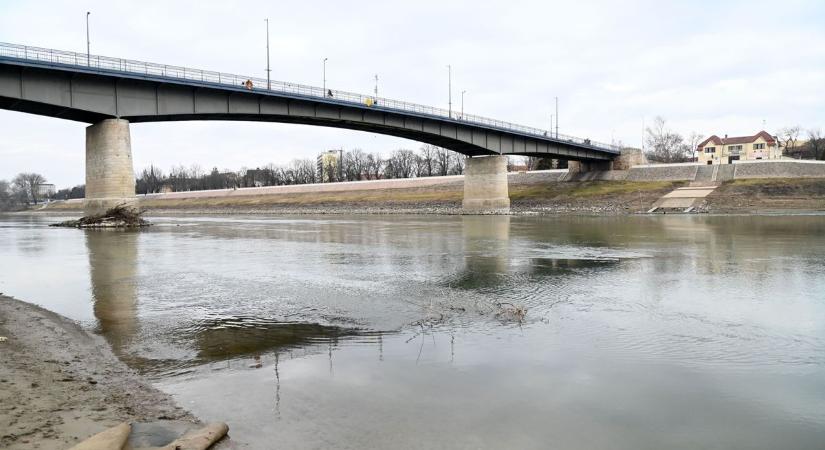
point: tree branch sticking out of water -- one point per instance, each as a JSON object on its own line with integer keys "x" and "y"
{"x": 120, "y": 216}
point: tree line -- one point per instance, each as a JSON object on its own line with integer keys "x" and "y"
{"x": 665, "y": 145}
{"x": 22, "y": 191}
{"x": 352, "y": 165}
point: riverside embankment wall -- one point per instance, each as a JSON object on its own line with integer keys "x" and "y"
{"x": 651, "y": 172}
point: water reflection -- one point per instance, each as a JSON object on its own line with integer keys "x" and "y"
{"x": 113, "y": 259}
{"x": 640, "y": 330}
{"x": 113, "y": 270}
{"x": 486, "y": 252}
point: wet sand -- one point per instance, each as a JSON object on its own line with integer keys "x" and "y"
{"x": 60, "y": 384}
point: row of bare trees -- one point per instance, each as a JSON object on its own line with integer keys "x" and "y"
{"x": 352, "y": 165}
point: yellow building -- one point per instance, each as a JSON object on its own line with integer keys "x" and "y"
{"x": 716, "y": 150}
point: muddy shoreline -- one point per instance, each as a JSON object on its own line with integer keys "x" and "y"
{"x": 60, "y": 384}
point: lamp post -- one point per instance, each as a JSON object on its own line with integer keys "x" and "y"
{"x": 325, "y": 77}
{"x": 268, "y": 82}
{"x": 450, "y": 91}
{"x": 462, "y": 103}
{"x": 376, "y": 85}
{"x": 557, "y": 117}
{"x": 551, "y": 124}
{"x": 88, "y": 44}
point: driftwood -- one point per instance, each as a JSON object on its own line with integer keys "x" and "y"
{"x": 115, "y": 439}
{"x": 120, "y": 216}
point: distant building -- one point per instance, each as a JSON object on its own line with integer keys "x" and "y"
{"x": 726, "y": 150}
{"x": 328, "y": 166}
{"x": 45, "y": 190}
{"x": 255, "y": 177}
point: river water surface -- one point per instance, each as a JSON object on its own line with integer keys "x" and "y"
{"x": 401, "y": 332}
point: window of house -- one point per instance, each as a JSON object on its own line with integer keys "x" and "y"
{"x": 760, "y": 146}
{"x": 710, "y": 149}
{"x": 734, "y": 148}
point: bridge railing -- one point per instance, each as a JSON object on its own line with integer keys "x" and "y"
{"x": 99, "y": 63}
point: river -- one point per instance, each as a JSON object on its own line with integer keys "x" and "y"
{"x": 642, "y": 332}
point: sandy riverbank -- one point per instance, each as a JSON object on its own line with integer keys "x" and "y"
{"x": 60, "y": 384}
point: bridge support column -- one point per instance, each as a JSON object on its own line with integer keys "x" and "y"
{"x": 485, "y": 186}
{"x": 110, "y": 177}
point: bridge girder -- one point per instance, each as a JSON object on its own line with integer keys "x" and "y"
{"x": 93, "y": 97}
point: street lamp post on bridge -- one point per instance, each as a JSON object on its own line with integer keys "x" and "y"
{"x": 450, "y": 91}
{"x": 325, "y": 77}
{"x": 268, "y": 82}
{"x": 88, "y": 43}
{"x": 462, "y": 103}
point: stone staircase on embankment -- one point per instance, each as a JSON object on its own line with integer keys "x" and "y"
{"x": 684, "y": 199}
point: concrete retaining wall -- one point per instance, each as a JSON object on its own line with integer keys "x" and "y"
{"x": 779, "y": 169}
{"x": 661, "y": 172}
{"x": 669, "y": 172}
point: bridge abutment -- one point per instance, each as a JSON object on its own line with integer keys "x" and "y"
{"x": 485, "y": 186}
{"x": 110, "y": 176}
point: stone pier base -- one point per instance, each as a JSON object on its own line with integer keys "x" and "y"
{"x": 485, "y": 186}
{"x": 110, "y": 177}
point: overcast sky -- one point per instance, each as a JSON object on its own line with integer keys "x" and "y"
{"x": 723, "y": 67}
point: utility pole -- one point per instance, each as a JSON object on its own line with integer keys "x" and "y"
{"x": 268, "y": 82}
{"x": 450, "y": 91}
{"x": 462, "y": 103}
{"x": 88, "y": 43}
{"x": 376, "y": 85}
{"x": 325, "y": 77}
{"x": 557, "y": 117}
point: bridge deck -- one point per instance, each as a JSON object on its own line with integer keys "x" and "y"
{"x": 25, "y": 56}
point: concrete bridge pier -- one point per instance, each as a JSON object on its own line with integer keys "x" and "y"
{"x": 110, "y": 177}
{"x": 485, "y": 185}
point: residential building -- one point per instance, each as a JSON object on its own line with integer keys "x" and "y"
{"x": 726, "y": 150}
{"x": 329, "y": 166}
{"x": 45, "y": 190}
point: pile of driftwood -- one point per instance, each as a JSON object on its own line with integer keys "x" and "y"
{"x": 120, "y": 216}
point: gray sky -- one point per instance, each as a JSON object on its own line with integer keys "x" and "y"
{"x": 713, "y": 67}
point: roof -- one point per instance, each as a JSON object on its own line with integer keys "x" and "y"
{"x": 738, "y": 139}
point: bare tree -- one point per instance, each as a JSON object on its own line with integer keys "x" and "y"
{"x": 789, "y": 136}
{"x": 457, "y": 163}
{"x": 400, "y": 164}
{"x": 441, "y": 159}
{"x": 6, "y": 197}
{"x": 663, "y": 144}
{"x": 816, "y": 144}
{"x": 374, "y": 165}
{"x": 428, "y": 155}
{"x": 355, "y": 164}
{"x": 692, "y": 143}
{"x": 28, "y": 183}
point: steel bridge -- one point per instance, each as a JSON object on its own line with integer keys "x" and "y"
{"x": 92, "y": 88}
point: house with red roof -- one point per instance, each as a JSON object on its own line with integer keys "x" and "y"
{"x": 726, "y": 150}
